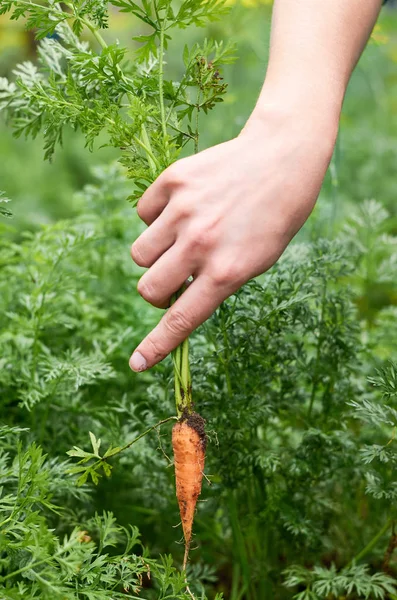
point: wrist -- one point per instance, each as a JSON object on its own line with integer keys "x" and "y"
{"x": 305, "y": 114}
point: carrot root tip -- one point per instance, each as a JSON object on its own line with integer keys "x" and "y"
{"x": 189, "y": 443}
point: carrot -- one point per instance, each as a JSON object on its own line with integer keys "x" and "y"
{"x": 189, "y": 443}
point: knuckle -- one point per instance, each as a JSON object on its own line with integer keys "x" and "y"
{"x": 156, "y": 349}
{"x": 136, "y": 255}
{"x": 170, "y": 174}
{"x": 181, "y": 207}
{"x": 178, "y": 322}
{"x": 175, "y": 174}
{"x": 201, "y": 238}
{"x": 141, "y": 209}
{"x": 170, "y": 178}
{"x": 147, "y": 291}
{"x": 228, "y": 275}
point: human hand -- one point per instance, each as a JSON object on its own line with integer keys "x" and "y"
{"x": 224, "y": 216}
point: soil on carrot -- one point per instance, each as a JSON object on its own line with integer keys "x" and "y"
{"x": 182, "y": 406}
{"x": 196, "y": 422}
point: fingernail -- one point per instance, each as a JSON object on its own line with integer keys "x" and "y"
{"x": 138, "y": 362}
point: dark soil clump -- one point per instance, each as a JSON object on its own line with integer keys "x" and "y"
{"x": 196, "y": 422}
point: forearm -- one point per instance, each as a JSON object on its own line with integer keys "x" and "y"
{"x": 315, "y": 45}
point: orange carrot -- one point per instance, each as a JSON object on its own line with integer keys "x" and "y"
{"x": 188, "y": 442}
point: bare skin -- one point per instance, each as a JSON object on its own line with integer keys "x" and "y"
{"x": 227, "y": 214}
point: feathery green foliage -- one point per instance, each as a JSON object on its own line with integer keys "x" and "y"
{"x": 299, "y": 436}
{"x": 5, "y": 212}
{"x": 149, "y": 118}
{"x": 95, "y": 563}
{"x": 294, "y": 374}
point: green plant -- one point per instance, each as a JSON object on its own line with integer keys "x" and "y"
{"x": 95, "y": 563}
{"x": 149, "y": 118}
{"x": 328, "y": 583}
{"x": 297, "y": 435}
{"x": 146, "y": 116}
{"x": 301, "y": 455}
{"x": 368, "y": 228}
{"x": 3, "y": 210}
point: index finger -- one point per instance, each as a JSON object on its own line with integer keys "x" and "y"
{"x": 153, "y": 200}
{"x": 191, "y": 309}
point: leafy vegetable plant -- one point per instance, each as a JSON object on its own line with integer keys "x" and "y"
{"x": 96, "y": 563}
{"x": 299, "y": 438}
{"x": 149, "y": 118}
{"x": 299, "y": 392}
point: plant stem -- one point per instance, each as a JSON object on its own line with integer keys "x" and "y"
{"x": 172, "y": 104}
{"x": 37, "y": 564}
{"x": 183, "y": 387}
{"x": 318, "y": 353}
{"x": 161, "y": 88}
{"x": 372, "y": 543}
{"x": 161, "y": 28}
{"x": 240, "y": 552}
{"x": 145, "y": 145}
{"x": 115, "y": 451}
{"x": 186, "y": 373}
{"x": 226, "y": 357}
{"x": 145, "y": 142}
{"x": 95, "y": 33}
{"x": 182, "y": 378}
{"x": 392, "y": 545}
{"x": 196, "y": 138}
{"x": 48, "y": 9}
{"x": 7, "y": 520}
{"x": 141, "y": 435}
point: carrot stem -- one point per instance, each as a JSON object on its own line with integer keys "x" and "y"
{"x": 182, "y": 378}
{"x": 187, "y": 382}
